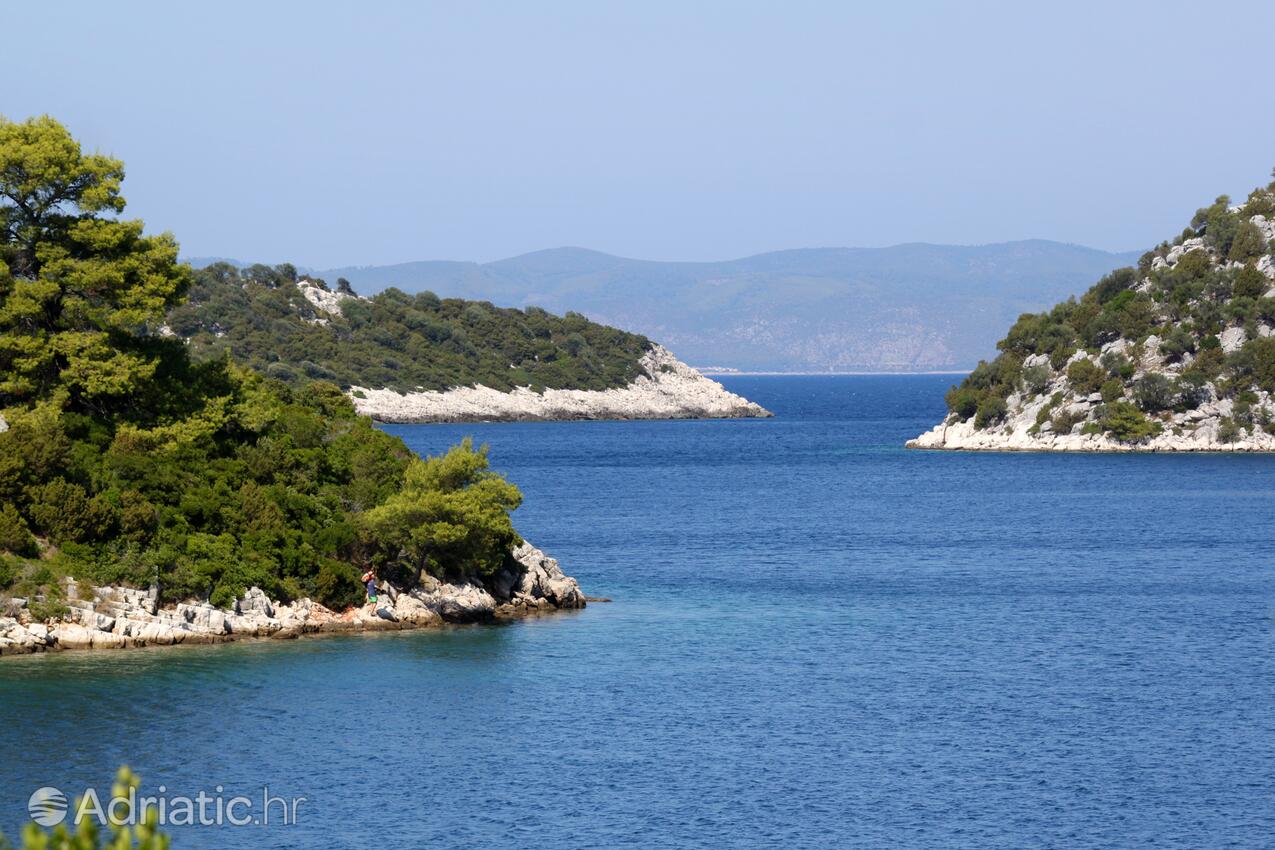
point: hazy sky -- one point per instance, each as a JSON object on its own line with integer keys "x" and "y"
{"x": 359, "y": 133}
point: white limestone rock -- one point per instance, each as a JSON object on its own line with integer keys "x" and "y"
{"x": 1233, "y": 339}
{"x": 669, "y": 389}
{"x": 323, "y": 299}
{"x": 117, "y": 617}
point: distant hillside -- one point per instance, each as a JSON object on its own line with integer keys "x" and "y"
{"x": 908, "y": 307}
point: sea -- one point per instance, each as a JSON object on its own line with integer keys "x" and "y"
{"x": 816, "y": 638}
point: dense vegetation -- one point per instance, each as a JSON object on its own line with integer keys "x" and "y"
{"x": 405, "y": 342}
{"x": 1171, "y": 314}
{"x": 126, "y": 460}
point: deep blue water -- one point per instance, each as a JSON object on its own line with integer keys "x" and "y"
{"x": 817, "y": 639}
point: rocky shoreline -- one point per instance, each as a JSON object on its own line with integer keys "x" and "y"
{"x": 122, "y": 618}
{"x": 669, "y": 389}
{"x": 1028, "y": 426}
{"x": 963, "y": 436}
{"x": 1173, "y": 390}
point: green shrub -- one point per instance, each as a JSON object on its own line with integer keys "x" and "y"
{"x": 1176, "y": 344}
{"x": 1117, "y": 364}
{"x": 1126, "y": 423}
{"x": 1260, "y": 202}
{"x": 15, "y": 537}
{"x": 65, "y": 512}
{"x": 1112, "y": 389}
{"x": 962, "y": 401}
{"x": 991, "y": 410}
{"x": 1115, "y": 285}
{"x": 1154, "y": 392}
{"x": 1193, "y": 265}
{"x": 1263, "y": 349}
{"x": 1063, "y": 422}
{"x": 1191, "y": 389}
{"x": 45, "y": 610}
{"x": 1228, "y": 430}
{"x": 1085, "y": 376}
{"x": 1035, "y": 379}
{"x": 337, "y": 585}
{"x": 1247, "y": 244}
{"x": 1059, "y": 357}
{"x": 1249, "y": 283}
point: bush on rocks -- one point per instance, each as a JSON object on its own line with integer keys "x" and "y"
{"x": 1154, "y": 392}
{"x": 991, "y": 410}
{"x": 1124, "y": 422}
{"x": 1085, "y": 376}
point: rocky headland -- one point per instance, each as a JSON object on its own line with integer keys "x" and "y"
{"x": 1176, "y": 355}
{"x": 667, "y": 389}
{"x": 122, "y": 617}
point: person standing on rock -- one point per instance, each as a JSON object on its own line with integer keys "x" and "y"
{"x": 369, "y": 581}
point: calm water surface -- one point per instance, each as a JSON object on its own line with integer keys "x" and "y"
{"x": 818, "y": 639}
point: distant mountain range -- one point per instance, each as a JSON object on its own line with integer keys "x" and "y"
{"x": 907, "y": 307}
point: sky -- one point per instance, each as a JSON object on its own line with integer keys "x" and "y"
{"x": 367, "y": 133}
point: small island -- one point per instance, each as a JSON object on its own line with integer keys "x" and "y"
{"x": 1177, "y": 354}
{"x": 420, "y": 358}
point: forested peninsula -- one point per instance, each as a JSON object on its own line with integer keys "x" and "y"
{"x": 151, "y": 496}
{"x": 421, "y": 358}
{"x": 1176, "y": 354}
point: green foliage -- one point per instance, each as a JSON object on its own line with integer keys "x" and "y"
{"x": 1194, "y": 265}
{"x": 451, "y": 515}
{"x": 79, "y": 285}
{"x": 1260, "y": 202}
{"x": 1064, "y": 421}
{"x": 1256, "y": 361}
{"x": 1192, "y": 389}
{"x": 139, "y": 465}
{"x": 991, "y": 409}
{"x": 1187, "y": 305}
{"x": 1127, "y": 423}
{"x": 1176, "y": 344}
{"x": 1154, "y": 392}
{"x": 1247, "y": 244}
{"x": 962, "y": 401}
{"x": 15, "y": 536}
{"x": 1250, "y": 283}
{"x": 259, "y": 317}
{"x": 1117, "y": 365}
{"x": 1220, "y": 225}
{"x": 1035, "y": 379}
{"x": 1228, "y": 430}
{"x": 1085, "y": 376}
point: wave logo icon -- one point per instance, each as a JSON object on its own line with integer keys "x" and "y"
{"x": 47, "y": 806}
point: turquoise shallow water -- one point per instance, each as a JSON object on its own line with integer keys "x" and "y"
{"x": 818, "y": 639}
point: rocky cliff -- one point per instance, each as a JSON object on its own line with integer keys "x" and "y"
{"x": 1177, "y": 354}
{"x": 667, "y": 389}
{"x": 120, "y": 617}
